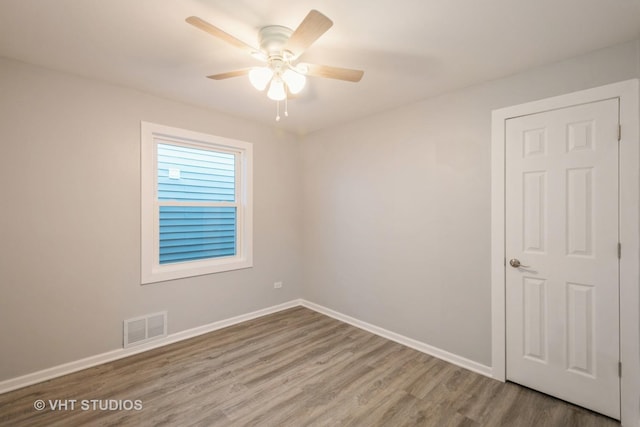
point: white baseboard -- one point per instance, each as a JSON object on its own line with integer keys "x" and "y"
{"x": 98, "y": 359}
{"x": 91, "y": 361}
{"x": 401, "y": 339}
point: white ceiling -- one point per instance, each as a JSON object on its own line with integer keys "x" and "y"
{"x": 409, "y": 49}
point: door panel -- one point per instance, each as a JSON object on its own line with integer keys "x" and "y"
{"x": 534, "y": 197}
{"x": 579, "y": 212}
{"x": 534, "y": 319}
{"x": 562, "y": 226}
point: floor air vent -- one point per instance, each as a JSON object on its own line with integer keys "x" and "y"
{"x": 145, "y": 328}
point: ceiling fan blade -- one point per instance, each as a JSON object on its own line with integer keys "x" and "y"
{"x": 217, "y": 32}
{"x": 310, "y": 29}
{"x": 333, "y": 72}
{"x": 230, "y": 74}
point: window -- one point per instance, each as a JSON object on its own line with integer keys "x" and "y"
{"x": 196, "y": 203}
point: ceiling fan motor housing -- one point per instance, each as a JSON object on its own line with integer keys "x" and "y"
{"x": 273, "y": 39}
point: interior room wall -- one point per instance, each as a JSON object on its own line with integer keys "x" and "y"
{"x": 396, "y": 207}
{"x": 70, "y": 219}
{"x": 385, "y": 219}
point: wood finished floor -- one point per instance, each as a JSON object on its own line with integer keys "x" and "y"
{"x": 292, "y": 368}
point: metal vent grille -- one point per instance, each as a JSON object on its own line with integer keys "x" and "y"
{"x": 141, "y": 329}
{"x": 156, "y": 325}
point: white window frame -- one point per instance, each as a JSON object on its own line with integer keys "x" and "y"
{"x": 151, "y": 270}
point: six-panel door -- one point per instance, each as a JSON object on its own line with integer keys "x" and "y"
{"x": 562, "y": 227}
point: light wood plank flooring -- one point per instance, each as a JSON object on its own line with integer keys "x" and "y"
{"x": 293, "y": 368}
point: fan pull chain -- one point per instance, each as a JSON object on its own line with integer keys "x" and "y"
{"x": 286, "y": 106}
{"x": 286, "y": 109}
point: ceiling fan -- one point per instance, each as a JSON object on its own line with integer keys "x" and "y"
{"x": 280, "y": 48}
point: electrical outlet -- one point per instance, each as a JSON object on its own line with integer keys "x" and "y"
{"x": 277, "y": 285}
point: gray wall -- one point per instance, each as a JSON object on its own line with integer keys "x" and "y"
{"x": 385, "y": 219}
{"x": 397, "y": 206}
{"x": 70, "y": 219}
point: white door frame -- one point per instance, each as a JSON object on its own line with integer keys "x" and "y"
{"x": 629, "y": 94}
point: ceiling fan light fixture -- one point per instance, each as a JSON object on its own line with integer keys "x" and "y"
{"x": 280, "y": 48}
{"x": 276, "y": 90}
{"x": 260, "y": 77}
{"x": 295, "y": 81}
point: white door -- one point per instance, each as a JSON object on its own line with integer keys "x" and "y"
{"x": 562, "y": 306}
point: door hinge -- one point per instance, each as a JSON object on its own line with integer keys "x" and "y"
{"x": 619, "y": 132}
{"x": 620, "y": 369}
{"x": 619, "y": 250}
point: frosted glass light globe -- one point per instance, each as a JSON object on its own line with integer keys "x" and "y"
{"x": 276, "y": 90}
{"x": 260, "y": 77}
